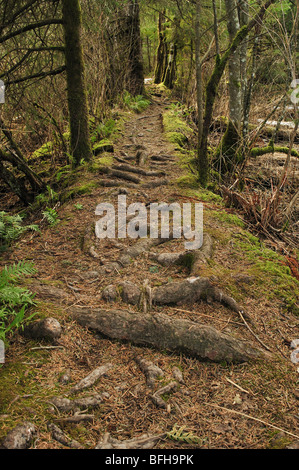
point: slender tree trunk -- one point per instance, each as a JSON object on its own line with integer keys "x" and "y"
{"x": 161, "y": 51}
{"x": 203, "y": 164}
{"x": 77, "y": 99}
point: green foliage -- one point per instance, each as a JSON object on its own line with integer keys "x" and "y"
{"x": 14, "y": 300}
{"x": 11, "y": 229}
{"x": 48, "y": 197}
{"x": 135, "y": 103}
{"x": 104, "y": 130}
{"x": 79, "y": 207}
{"x": 51, "y": 216}
{"x": 178, "y": 434}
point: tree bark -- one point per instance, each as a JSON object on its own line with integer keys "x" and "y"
{"x": 161, "y": 51}
{"x": 77, "y": 99}
{"x": 135, "y": 76}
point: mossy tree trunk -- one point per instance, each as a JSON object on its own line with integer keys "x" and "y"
{"x": 162, "y": 50}
{"x": 202, "y": 165}
{"x": 170, "y": 71}
{"x": 77, "y": 99}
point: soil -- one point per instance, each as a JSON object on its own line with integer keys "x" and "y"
{"x": 241, "y": 406}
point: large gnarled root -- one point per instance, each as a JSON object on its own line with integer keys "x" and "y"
{"x": 164, "y": 333}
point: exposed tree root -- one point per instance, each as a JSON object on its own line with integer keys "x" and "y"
{"x": 62, "y": 438}
{"x": 164, "y": 333}
{"x": 156, "y": 184}
{"x": 49, "y": 329}
{"x": 66, "y": 405}
{"x": 20, "y": 437}
{"x": 91, "y": 379}
{"x": 140, "y": 171}
{"x": 151, "y": 371}
{"x": 121, "y": 175}
{"x": 157, "y": 396}
{"x": 145, "y": 441}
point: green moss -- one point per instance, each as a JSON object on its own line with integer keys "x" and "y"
{"x": 176, "y": 129}
{"x": 273, "y": 277}
{"x": 230, "y": 219}
{"x": 79, "y": 191}
{"x": 101, "y": 162}
{"x": 187, "y": 181}
{"x": 43, "y": 151}
{"x": 104, "y": 145}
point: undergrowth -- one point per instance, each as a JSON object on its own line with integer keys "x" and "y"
{"x": 14, "y": 300}
{"x": 11, "y": 229}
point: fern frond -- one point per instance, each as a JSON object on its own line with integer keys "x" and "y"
{"x": 178, "y": 434}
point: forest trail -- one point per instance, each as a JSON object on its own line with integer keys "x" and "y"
{"x": 219, "y": 404}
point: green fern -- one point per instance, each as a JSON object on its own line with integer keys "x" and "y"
{"x": 51, "y": 216}
{"x": 14, "y": 300}
{"x": 11, "y": 229}
{"x": 178, "y": 434}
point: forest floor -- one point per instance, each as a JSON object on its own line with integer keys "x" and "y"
{"x": 251, "y": 405}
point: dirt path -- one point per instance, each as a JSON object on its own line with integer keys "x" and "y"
{"x": 221, "y": 405}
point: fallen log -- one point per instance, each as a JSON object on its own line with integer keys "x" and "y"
{"x": 164, "y": 333}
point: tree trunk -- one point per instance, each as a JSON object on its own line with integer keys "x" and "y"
{"x": 77, "y": 99}
{"x": 229, "y": 145}
{"x": 161, "y": 51}
{"x": 171, "y": 67}
{"x": 203, "y": 165}
{"x": 135, "y": 76}
{"x": 165, "y": 333}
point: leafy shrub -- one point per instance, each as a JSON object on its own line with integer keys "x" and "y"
{"x": 14, "y": 300}
{"x": 11, "y": 228}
